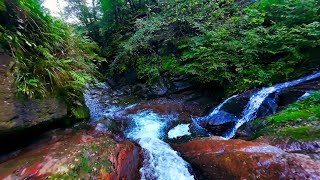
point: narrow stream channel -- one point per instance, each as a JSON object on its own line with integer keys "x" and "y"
{"x": 160, "y": 161}
{"x": 149, "y": 130}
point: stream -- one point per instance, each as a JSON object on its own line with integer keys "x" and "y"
{"x": 132, "y": 138}
{"x": 152, "y": 130}
{"x": 147, "y": 128}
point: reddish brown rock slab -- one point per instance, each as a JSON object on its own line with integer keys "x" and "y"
{"x": 289, "y": 145}
{"x": 83, "y": 155}
{"x": 165, "y": 106}
{"x": 215, "y": 158}
{"x": 310, "y": 148}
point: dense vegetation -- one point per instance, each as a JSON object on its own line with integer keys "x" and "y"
{"x": 237, "y": 43}
{"x": 49, "y": 57}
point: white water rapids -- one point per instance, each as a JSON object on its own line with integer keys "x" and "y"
{"x": 161, "y": 162}
{"x": 148, "y": 130}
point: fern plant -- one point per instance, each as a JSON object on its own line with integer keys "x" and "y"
{"x": 49, "y": 57}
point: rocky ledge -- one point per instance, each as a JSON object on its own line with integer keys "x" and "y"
{"x": 216, "y": 158}
{"x": 73, "y": 154}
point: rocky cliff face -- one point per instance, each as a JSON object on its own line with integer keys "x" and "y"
{"x": 20, "y": 113}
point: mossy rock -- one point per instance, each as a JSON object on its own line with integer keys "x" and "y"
{"x": 303, "y": 133}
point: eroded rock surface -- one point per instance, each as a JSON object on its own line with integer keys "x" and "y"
{"x": 83, "y": 154}
{"x": 215, "y": 158}
{"x": 20, "y": 113}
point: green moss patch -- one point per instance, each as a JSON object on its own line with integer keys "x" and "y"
{"x": 307, "y": 114}
{"x": 298, "y": 122}
{"x": 304, "y": 133}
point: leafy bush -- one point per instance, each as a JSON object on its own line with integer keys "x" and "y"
{"x": 49, "y": 56}
{"x": 265, "y": 44}
{"x": 235, "y": 43}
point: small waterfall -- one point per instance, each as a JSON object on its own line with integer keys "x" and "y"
{"x": 256, "y": 101}
{"x": 161, "y": 162}
{"x": 200, "y": 120}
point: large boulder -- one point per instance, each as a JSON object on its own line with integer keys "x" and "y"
{"x": 215, "y": 158}
{"x": 22, "y": 118}
{"x": 75, "y": 154}
{"x": 21, "y": 113}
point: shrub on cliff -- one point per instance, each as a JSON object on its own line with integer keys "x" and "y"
{"x": 48, "y": 56}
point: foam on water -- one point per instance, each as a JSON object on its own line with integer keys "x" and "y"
{"x": 178, "y": 131}
{"x": 307, "y": 94}
{"x": 160, "y": 160}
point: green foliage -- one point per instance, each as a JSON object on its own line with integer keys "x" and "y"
{"x": 2, "y": 6}
{"x": 80, "y": 112}
{"x": 49, "y": 57}
{"x": 256, "y": 47}
{"x": 85, "y": 163}
{"x": 234, "y": 43}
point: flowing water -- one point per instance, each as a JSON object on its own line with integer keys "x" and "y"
{"x": 256, "y": 101}
{"x": 148, "y": 129}
{"x": 179, "y": 131}
{"x": 161, "y": 162}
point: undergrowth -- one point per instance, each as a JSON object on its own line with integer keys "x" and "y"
{"x": 49, "y": 57}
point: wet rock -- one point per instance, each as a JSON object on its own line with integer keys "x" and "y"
{"x": 164, "y": 86}
{"x": 234, "y": 108}
{"x": 157, "y": 90}
{"x": 164, "y": 106}
{"x": 83, "y": 154}
{"x": 215, "y": 158}
{"x": 21, "y": 113}
{"x": 221, "y": 129}
{"x": 221, "y": 117}
{"x": 310, "y": 148}
{"x": 289, "y": 97}
{"x": 101, "y": 128}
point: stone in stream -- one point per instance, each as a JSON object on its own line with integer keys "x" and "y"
{"x": 216, "y": 158}
{"x": 84, "y": 154}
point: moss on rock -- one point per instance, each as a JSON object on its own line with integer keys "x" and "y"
{"x": 298, "y": 122}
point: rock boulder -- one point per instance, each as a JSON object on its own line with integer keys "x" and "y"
{"x": 215, "y": 158}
